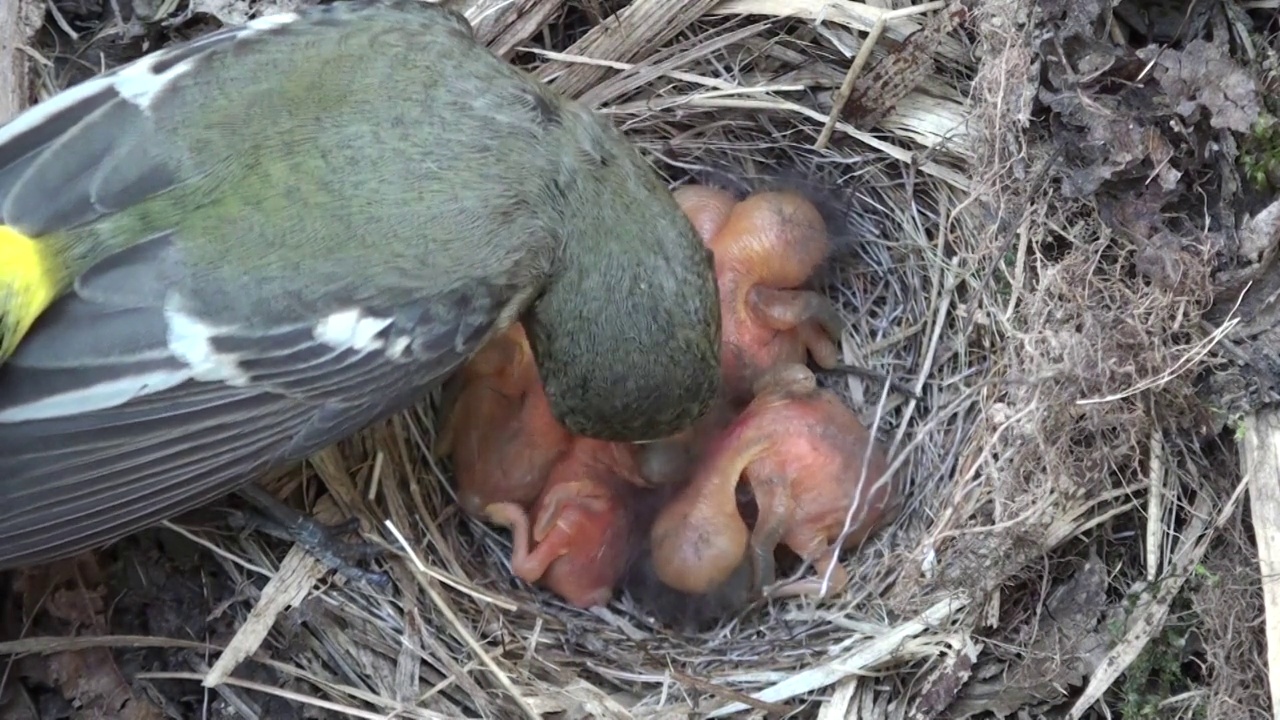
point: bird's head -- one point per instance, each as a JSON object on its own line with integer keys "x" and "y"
{"x": 626, "y": 334}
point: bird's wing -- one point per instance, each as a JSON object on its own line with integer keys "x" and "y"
{"x": 84, "y": 154}
{"x": 93, "y": 149}
{"x": 97, "y": 147}
{"x": 132, "y": 398}
{"x": 125, "y": 406}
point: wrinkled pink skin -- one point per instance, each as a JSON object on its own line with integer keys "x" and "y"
{"x": 500, "y": 433}
{"x": 802, "y": 451}
{"x": 578, "y": 543}
{"x": 765, "y": 247}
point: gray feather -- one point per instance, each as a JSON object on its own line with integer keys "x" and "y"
{"x": 92, "y": 149}
{"x": 139, "y": 275}
{"x": 108, "y": 161}
{"x": 230, "y": 318}
{"x": 23, "y": 144}
{"x": 105, "y": 465}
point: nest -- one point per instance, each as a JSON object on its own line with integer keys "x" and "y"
{"x": 1040, "y": 403}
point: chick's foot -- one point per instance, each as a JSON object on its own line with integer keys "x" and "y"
{"x": 766, "y": 247}
{"x": 814, "y": 319}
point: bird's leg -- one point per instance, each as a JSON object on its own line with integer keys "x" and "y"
{"x": 322, "y": 541}
{"x": 813, "y": 316}
{"x": 774, "y": 502}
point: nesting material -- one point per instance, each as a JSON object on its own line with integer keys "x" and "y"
{"x": 1038, "y": 404}
{"x": 670, "y": 517}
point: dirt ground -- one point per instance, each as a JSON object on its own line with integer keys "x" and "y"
{"x": 1120, "y": 180}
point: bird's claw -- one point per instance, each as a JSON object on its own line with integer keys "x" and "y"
{"x": 339, "y": 555}
{"x": 322, "y": 541}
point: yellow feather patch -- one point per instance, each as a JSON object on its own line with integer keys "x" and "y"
{"x": 31, "y": 276}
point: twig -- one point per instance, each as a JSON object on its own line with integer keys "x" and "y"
{"x": 469, "y": 638}
{"x": 864, "y": 54}
{"x": 1260, "y": 463}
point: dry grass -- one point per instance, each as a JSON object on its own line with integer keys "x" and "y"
{"x": 1051, "y": 421}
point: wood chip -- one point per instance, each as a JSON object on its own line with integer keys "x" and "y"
{"x": 298, "y": 574}
{"x": 879, "y": 91}
{"x": 19, "y": 21}
{"x": 1260, "y": 461}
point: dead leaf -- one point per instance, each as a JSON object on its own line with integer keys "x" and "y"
{"x": 1161, "y": 257}
{"x": 944, "y": 683}
{"x": 73, "y": 593}
{"x": 1073, "y": 18}
{"x": 1069, "y": 642}
{"x": 1110, "y": 146}
{"x": 1161, "y": 260}
{"x": 1261, "y": 234}
{"x": 16, "y": 703}
{"x": 1203, "y": 76}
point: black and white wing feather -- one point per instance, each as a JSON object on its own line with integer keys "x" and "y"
{"x": 123, "y": 408}
{"x": 162, "y": 380}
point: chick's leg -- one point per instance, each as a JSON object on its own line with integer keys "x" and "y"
{"x": 788, "y": 380}
{"x": 821, "y": 347}
{"x": 552, "y": 505}
{"x": 531, "y": 566}
{"x": 316, "y": 538}
{"x": 807, "y": 312}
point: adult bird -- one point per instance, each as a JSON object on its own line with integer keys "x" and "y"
{"x": 233, "y": 252}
